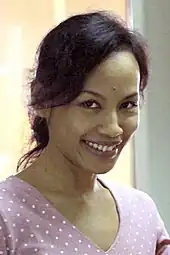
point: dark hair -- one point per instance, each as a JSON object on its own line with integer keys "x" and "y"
{"x": 67, "y": 54}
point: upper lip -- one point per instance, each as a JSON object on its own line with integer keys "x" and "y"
{"x": 105, "y": 143}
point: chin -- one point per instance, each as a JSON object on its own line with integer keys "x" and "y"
{"x": 103, "y": 168}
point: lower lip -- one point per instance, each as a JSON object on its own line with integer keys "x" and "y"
{"x": 106, "y": 154}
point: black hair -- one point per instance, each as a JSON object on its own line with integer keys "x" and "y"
{"x": 66, "y": 56}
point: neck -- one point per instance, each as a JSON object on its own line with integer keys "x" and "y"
{"x": 57, "y": 174}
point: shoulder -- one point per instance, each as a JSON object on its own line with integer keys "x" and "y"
{"x": 133, "y": 202}
{"x": 11, "y": 190}
{"x": 130, "y": 194}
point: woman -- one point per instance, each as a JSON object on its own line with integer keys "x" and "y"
{"x": 90, "y": 76}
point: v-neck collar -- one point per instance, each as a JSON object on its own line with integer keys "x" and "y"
{"x": 77, "y": 232}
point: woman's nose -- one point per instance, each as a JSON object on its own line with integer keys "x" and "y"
{"x": 109, "y": 126}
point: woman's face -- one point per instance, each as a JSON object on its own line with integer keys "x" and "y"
{"x": 92, "y": 130}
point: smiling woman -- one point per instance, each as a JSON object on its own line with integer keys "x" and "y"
{"x": 90, "y": 75}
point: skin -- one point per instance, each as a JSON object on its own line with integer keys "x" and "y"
{"x": 107, "y": 112}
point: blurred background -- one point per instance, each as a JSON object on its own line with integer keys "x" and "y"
{"x": 145, "y": 162}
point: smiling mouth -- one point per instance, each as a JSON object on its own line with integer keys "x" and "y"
{"x": 101, "y": 147}
{"x": 102, "y": 150}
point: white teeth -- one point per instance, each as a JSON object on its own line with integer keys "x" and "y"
{"x": 110, "y": 148}
{"x": 104, "y": 148}
{"x": 94, "y": 145}
{"x": 101, "y": 147}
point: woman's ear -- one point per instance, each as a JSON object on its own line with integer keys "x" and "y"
{"x": 44, "y": 113}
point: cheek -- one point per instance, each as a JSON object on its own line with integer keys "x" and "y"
{"x": 68, "y": 129}
{"x": 129, "y": 126}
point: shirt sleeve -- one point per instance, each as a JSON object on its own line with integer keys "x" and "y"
{"x": 163, "y": 241}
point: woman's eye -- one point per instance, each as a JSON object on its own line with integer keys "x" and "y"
{"x": 90, "y": 104}
{"x": 129, "y": 105}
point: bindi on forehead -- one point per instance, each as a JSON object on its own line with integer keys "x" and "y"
{"x": 113, "y": 88}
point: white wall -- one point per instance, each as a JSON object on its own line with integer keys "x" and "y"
{"x": 152, "y": 143}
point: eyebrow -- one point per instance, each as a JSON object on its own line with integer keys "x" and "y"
{"x": 135, "y": 94}
{"x": 94, "y": 94}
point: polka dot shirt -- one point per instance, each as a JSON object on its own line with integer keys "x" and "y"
{"x": 29, "y": 224}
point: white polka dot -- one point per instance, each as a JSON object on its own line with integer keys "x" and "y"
{"x": 21, "y": 206}
{"x": 9, "y": 209}
{"x": 89, "y": 246}
{"x": 75, "y": 249}
{"x": 73, "y": 227}
{"x": 98, "y": 250}
{"x": 3, "y": 190}
{"x": 1, "y": 198}
{"x": 47, "y": 232}
{"x": 22, "y": 230}
{"x": 42, "y": 241}
{"x": 62, "y": 252}
{"x": 27, "y": 220}
{"x": 80, "y": 241}
{"x": 56, "y": 237}
{"x": 33, "y": 206}
{"x": 18, "y": 214}
{"x": 70, "y": 235}
{"x": 23, "y": 200}
{"x": 37, "y": 226}
{"x": 25, "y": 244}
{"x": 47, "y": 205}
{"x": 66, "y": 244}
{"x": 10, "y": 236}
{"x": 64, "y": 222}
{"x": 50, "y": 224}
{"x": 43, "y": 212}
{"x": 36, "y": 249}
{"x": 14, "y": 194}
{"x": 53, "y": 217}
{"x": 5, "y": 220}
{"x": 1, "y": 252}
{"x": 0, "y": 227}
{"x": 60, "y": 230}
{"x": 52, "y": 246}
{"x": 16, "y": 240}
{"x": 11, "y": 202}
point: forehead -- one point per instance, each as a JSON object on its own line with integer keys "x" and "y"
{"x": 118, "y": 69}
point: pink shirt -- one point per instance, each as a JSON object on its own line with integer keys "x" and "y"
{"x": 29, "y": 224}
